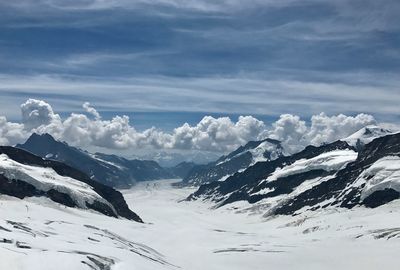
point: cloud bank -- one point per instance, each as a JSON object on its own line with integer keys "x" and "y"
{"x": 210, "y": 134}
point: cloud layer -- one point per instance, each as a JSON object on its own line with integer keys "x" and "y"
{"x": 210, "y": 134}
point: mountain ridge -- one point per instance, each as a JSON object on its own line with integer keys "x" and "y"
{"x": 240, "y": 159}
{"x": 111, "y": 170}
{"x": 283, "y": 186}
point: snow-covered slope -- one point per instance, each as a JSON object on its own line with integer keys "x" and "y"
{"x": 239, "y": 160}
{"x": 110, "y": 170}
{"x": 383, "y": 174}
{"x": 46, "y": 179}
{"x": 282, "y": 178}
{"x": 23, "y": 175}
{"x": 35, "y": 234}
{"x": 329, "y": 161}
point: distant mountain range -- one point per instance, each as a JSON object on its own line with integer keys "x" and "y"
{"x": 110, "y": 170}
{"x": 363, "y": 169}
{"x": 23, "y": 174}
{"x": 171, "y": 159}
{"x": 240, "y": 159}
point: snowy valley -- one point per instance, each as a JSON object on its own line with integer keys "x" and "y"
{"x": 326, "y": 207}
{"x": 36, "y": 234}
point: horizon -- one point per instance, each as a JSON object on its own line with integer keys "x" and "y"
{"x": 82, "y": 130}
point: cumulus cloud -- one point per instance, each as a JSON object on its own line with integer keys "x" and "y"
{"x": 91, "y": 110}
{"x": 216, "y": 134}
{"x": 36, "y": 113}
{"x": 210, "y": 134}
{"x": 291, "y": 131}
{"x": 11, "y": 133}
{"x": 327, "y": 129}
{"x": 295, "y": 134}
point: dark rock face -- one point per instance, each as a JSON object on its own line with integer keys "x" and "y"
{"x": 110, "y": 170}
{"x": 17, "y": 188}
{"x": 21, "y": 189}
{"x": 182, "y": 169}
{"x": 381, "y": 197}
{"x": 238, "y": 160}
{"x": 64, "y": 199}
{"x": 338, "y": 190}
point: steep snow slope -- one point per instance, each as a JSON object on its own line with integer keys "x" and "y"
{"x": 190, "y": 236}
{"x": 383, "y": 174}
{"x": 23, "y": 175}
{"x": 329, "y": 161}
{"x": 46, "y": 179}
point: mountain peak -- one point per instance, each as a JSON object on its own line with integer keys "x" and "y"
{"x": 366, "y": 135}
{"x": 41, "y": 137}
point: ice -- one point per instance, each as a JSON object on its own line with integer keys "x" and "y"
{"x": 384, "y": 173}
{"x": 330, "y": 161}
{"x": 192, "y": 236}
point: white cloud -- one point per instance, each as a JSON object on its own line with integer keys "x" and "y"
{"x": 11, "y": 133}
{"x": 291, "y": 131}
{"x": 36, "y": 113}
{"x": 210, "y": 134}
{"x": 295, "y": 134}
{"x": 217, "y": 134}
{"x": 91, "y": 110}
{"x": 327, "y": 129}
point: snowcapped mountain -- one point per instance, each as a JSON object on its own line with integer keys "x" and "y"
{"x": 23, "y": 174}
{"x": 317, "y": 177}
{"x": 108, "y": 169}
{"x": 238, "y": 160}
{"x": 366, "y": 135}
{"x": 280, "y": 176}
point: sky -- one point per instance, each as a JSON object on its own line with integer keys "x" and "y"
{"x": 167, "y": 62}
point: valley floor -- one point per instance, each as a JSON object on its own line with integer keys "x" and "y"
{"x": 191, "y": 236}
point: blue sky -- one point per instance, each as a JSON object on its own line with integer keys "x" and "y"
{"x": 166, "y": 62}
